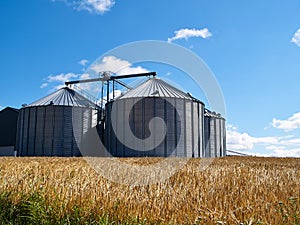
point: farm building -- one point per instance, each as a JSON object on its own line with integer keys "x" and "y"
{"x": 182, "y": 114}
{"x": 8, "y": 129}
{"x": 130, "y": 125}
{"x": 214, "y": 134}
{"x": 46, "y": 127}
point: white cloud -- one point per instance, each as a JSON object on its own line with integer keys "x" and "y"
{"x": 83, "y": 62}
{"x": 111, "y": 96}
{"x": 109, "y": 63}
{"x": 85, "y": 86}
{"x": 238, "y": 141}
{"x": 289, "y": 124}
{"x": 85, "y": 76}
{"x": 293, "y": 141}
{"x": 281, "y": 146}
{"x": 92, "y": 6}
{"x": 118, "y": 66}
{"x": 58, "y": 80}
{"x": 115, "y": 94}
{"x": 43, "y": 85}
{"x": 266, "y": 140}
{"x": 296, "y": 38}
{"x": 95, "y": 6}
{"x": 243, "y": 141}
{"x": 62, "y": 77}
{"x": 132, "y": 70}
{"x": 187, "y": 33}
{"x": 287, "y": 153}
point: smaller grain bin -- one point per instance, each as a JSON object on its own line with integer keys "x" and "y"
{"x": 55, "y": 124}
{"x": 179, "y": 114}
{"x": 214, "y": 135}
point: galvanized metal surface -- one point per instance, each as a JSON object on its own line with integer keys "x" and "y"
{"x": 64, "y": 97}
{"x": 182, "y": 117}
{"x": 55, "y": 129}
{"x": 202, "y": 132}
{"x": 155, "y": 87}
{"x": 214, "y": 135}
{"x": 55, "y": 125}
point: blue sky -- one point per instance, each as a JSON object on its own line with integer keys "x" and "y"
{"x": 252, "y": 47}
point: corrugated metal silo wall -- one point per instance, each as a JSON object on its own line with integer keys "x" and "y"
{"x": 199, "y": 142}
{"x": 214, "y": 136}
{"x": 53, "y": 130}
{"x": 222, "y": 137}
{"x": 183, "y": 118}
{"x": 223, "y": 141}
{"x": 40, "y": 127}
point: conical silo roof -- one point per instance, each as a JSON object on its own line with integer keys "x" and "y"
{"x": 64, "y": 97}
{"x": 155, "y": 87}
{"x": 209, "y": 113}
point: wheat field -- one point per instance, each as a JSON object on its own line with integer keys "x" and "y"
{"x": 231, "y": 190}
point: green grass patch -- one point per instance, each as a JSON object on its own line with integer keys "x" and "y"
{"x": 33, "y": 209}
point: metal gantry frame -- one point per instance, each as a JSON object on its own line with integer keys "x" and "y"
{"x": 105, "y": 77}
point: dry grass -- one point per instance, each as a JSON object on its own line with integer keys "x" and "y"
{"x": 231, "y": 189}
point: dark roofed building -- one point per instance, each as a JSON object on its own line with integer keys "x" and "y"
{"x": 8, "y": 130}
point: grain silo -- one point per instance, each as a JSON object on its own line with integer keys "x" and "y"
{"x": 55, "y": 124}
{"x": 214, "y": 135}
{"x": 181, "y": 114}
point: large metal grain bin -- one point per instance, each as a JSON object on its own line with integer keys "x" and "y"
{"x": 131, "y": 117}
{"x": 214, "y": 134}
{"x": 55, "y": 124}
